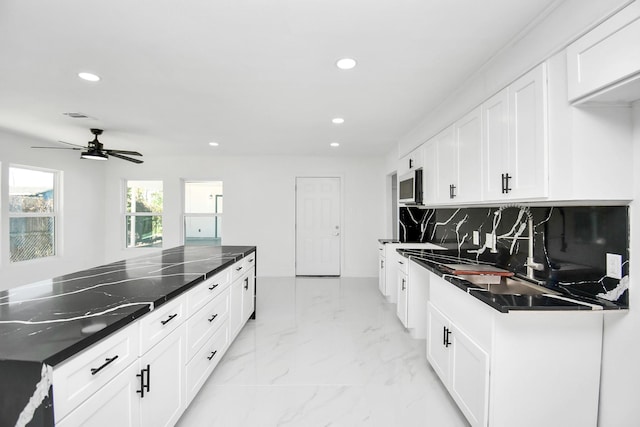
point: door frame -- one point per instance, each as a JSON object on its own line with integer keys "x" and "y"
{"x": 295, "y": 221}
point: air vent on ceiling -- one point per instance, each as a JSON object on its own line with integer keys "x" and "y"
{"x": 76, "y": 115}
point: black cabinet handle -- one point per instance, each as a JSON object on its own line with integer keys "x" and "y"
{"x": 239, "y": 268}
{"x": 251, "y": 260}
{"x": 446, "y": 337}
{"x": 173, "y": 316}
{"x": 505, "y": 183}
{"x": 213, "y": 317}
{"x": 246, "y": 283}
{"x": 213, "y": 287}
{"x": 452, "y": 191}
{"x": 213, "y": 353}
{"x": 381, "y": 264}
{"x": 404, "y": 284}
{"x": 144, "y": 387}
{"x": 410, "y": 163}
{"x": 400, "y": 262}
{"x": 99, "y": 368}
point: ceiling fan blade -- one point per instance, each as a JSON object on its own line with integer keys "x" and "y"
{"x": 75, "y": 145}
{"x": 125, "y": 158}
{"x": 60, "y": 148}
{"x": 131, "y": 153}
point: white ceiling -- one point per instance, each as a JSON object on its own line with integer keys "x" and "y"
{"x": 257, "y": 76}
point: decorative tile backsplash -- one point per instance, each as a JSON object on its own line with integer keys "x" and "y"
{"x": 570, "y": 243}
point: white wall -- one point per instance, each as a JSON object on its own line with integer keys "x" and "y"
{"x": 82, "y": 223}
{"x": 259, "y": 204}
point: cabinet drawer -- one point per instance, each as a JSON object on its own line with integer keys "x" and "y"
{"x": 241, "y": 267}
{"x": 160, "y": 322}
{"x": 81, "y": 376}
{"x": 205, "y": 360}
{"x": 205, "y": 322}
{"x": 203, "y": 293}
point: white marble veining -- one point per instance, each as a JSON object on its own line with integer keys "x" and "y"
{"x": 323, "y": 352}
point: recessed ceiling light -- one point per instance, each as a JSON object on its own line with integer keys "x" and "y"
{"x": 335, "y": 144}
{"x": 346, "y": 63}
{"x": 338, "y": 120}
{"x": 90, "y": 77}
{"x": 213, "y": 144}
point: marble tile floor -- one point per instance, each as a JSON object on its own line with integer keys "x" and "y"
{"x": 323, "y": 352}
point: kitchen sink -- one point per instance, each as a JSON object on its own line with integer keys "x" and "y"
{"x": 507, "y": 285}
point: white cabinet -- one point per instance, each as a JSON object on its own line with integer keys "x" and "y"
{"x": 453, "y": 162}
{"x": 515, "y": 154}
{"x": 147, "y": 373}
{"x": 162, "y": 378}
{"x": 497, "y": 366}
{"x": 411, "y": 161}
{"x": 402, "y": 292}
{"x": 115, "y": 404}
{"x": 381, "y": 269}
{"x": 604, "y": 64}
{"x": 461, "y": 364}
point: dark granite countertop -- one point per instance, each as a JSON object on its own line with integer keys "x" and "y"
{"x": 433, "y": 260}
{"x": 51, "y": 320}
{"x": 385, "y": 241}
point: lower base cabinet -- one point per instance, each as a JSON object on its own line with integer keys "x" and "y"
{"x": 163, "y": 400}
{"x": 148, "y": 373}
{"x": 115, "y": 404}
{"x": 522, "y": 368}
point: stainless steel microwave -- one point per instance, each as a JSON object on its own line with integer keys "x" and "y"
{"x": 410, "y": 188}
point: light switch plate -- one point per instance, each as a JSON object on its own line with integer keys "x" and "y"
{"x": 476, "y": 237}
{"x": 614, "y": 266}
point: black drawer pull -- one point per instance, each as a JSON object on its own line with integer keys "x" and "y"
{"x": 403, "y": 284}
{"x": 251, "y": 260}
{"x": 213, "y": 287}
{"x": 213, "y": 317}
{"x": 213, "y": 353}
{"x": 400, "y": 262}
{"x": 246, "y": 283}
{"x": 108, "y": 361}
{"x": 239, "y": 268}
{"x": 173, "y": 316}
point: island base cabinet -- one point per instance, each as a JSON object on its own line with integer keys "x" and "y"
{"x": 115, "y": 404}
{"x": 204, "y": 362}
{"x": 248, "y": 295}
{"x": 164, "y": 399}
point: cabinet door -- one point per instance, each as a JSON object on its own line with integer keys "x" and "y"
{"x": 468, "y": 132}
{"x": 381, "y": 272}
{"x": 437, "y": 349}
{"x": 164, "y": 398}
{"x": 235, "y": 308}
{"x": 430, "y": 172}
{"x": 401, "y": 307}
{"x": 469, "y": 377}
{"x": 528, "y": 135}
{"x": 447, "y": 166}
{"x": 248, "y": 296}
{"x": 115, "y": 404}
{"x": 495, "y": 154}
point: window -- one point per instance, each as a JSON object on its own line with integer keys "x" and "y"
{"x": 203, "y": 213}
{"x": 32, "y": 213}
{"x": 143, "y": 214}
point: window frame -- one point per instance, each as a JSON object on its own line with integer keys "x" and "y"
{"x": 56, "y": 214}
{"x": 125, "y": 186}
{"x": 186, "y": 215}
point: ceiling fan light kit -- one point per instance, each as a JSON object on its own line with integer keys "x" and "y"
{"x": 96, "y": 151}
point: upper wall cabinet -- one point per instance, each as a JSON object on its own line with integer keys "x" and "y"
{"x": 604, "y": 64}
{"x": 515, "y": 153}
{"x": 411, "y": 161}
{"x": 453, "y": 163}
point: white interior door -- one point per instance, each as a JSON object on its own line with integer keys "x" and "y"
{"x": 318, "y": 230}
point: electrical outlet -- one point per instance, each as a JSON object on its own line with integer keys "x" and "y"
{"x": 476, "y": 237}
{"x": 614, "y": 266}
{"x": 490, "y": 241}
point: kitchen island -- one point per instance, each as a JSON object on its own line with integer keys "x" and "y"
{"x": 48, "y": 326}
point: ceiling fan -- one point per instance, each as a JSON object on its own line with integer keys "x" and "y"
{"x": 95, "y": 150}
